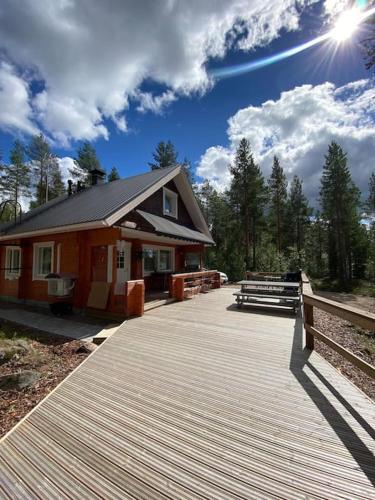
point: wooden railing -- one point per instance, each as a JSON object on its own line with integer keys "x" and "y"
{"x": 359, "y": 318}
{"x": 135, "y": 298}
{"x": 186, "y": 285}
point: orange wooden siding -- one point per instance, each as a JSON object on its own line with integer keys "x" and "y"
{"x": 76, "y": 259}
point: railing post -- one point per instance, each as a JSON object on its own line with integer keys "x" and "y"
{"x": 309, "y": 320}
{"x": 179, "y": 289}
{"x": 135, "y": 298}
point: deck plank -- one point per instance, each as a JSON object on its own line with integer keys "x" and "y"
{"x": 197, "y": 399}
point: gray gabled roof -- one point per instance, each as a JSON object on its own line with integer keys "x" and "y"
{"x": 93, "y": 204}
{"x": 169, "y": 228}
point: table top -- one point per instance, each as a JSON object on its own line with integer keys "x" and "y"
{"x": 280, "y": 284}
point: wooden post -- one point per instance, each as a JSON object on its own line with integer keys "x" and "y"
{"x": 179, "y": 289}
{"x": 135, "y": 298}
{"x": 309, "y": 320}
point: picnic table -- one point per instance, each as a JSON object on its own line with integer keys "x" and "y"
{"x": 278, "y": 293}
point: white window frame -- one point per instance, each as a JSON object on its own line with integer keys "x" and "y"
{"x": 36, "y": 247}
{"x": 174, "y": 197}
{"x": 157, "y": 249}
{"x": 9, "y": 274}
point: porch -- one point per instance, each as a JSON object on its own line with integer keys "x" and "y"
{"x": 198, "y": 400}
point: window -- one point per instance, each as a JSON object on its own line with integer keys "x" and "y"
{"x": 165, "y": 260}
{"x": 170, "y": 202}
{"x": 192, "y": 261}
{"x": 12, "y": 263}
{"x": 157, "y": 260}
{"x": 120, "y": 259}
{"x": 43, "y": 260}
{"x": 149, "y": 260}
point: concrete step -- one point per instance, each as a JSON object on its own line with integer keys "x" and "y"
{"x": 108, "y": 331}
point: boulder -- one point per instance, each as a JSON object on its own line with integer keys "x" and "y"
{"x": 18, "y": 381}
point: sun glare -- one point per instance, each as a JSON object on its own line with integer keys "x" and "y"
{"x": 346, "y": 25}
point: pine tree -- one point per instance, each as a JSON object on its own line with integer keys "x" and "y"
{"x": 113, "y": 175}
{"x": 42, "y": 161}
{"x": 340, "y": 203}
{"x": 56, "y": 186}
{"x": 15, "y": 177}
{"x": 186, "y": 165}
{"x": 86, "y": 161}
{"x": 298, "y": 214}
{"x": 164, "y": 156}
{"x": 226, "y": 255}
{"x": 370, "y": 204}
{"x": 247, "y": 196}
{"x": 278, "y": 204}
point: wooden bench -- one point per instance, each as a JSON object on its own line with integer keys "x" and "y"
{"x": 271, "y": 293}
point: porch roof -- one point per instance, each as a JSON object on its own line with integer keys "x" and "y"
{"x": 169, "y": 228}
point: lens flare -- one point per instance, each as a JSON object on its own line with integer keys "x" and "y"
{"x": 346, "y": 25}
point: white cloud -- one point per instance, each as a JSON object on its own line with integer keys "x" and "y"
{"x": 15, "y": 110}
{"x": 155, "y": 104}
{"x": 298, "y": 128}
{"x": 90, "y": 56}
{"x": 66, "y": 164}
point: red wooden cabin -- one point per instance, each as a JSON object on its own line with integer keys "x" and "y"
{"x": 104, "y": 238}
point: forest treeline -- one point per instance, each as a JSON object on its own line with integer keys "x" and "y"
{"x": 268, "y": 224}
{"x": 33, "y": 174}
{"x": 257, "y": 223}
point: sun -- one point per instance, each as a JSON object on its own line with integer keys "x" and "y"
{"x": 346, "y": 25}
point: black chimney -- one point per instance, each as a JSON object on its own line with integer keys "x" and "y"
{"x": 97, "y": 176}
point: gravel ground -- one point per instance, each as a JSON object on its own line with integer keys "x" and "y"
{"x": 51, "y": 356}
{"x": 358, "y": 341}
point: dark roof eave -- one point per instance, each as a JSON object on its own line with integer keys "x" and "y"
{"x": 159, "y": 233}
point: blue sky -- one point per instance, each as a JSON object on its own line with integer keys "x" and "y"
{"x": 71, "y": 89}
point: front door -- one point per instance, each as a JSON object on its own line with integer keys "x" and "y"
{"x": 99, "y": 263}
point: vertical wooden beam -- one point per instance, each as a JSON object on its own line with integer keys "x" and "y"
{"x": 309, "y": 320}
{"x": 179, "y": 288}
{"x": 135, "y": 298}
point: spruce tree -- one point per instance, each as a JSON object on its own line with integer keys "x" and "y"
{"x": 247, "y": 195}
{"x": 164, "y": 156}
{"x": 15, "y": 177}
{"x": 298, "y": 214}
{"x": 113, "y": 175}
{"x": 86, "y": 161}
{"x": 278, "y": 204}
{"x": 340, "y": 202}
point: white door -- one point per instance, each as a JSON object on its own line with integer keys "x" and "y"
{"x": 123, "y": 261}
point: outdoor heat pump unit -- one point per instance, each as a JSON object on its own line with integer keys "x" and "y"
{"x": 60, "y": 285}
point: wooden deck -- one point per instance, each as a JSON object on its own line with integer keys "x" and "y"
{"x": 197, "y": 399}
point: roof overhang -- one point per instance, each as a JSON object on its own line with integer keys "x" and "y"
{"x": 166, "y": 227}
{"x": 56, "y": 230}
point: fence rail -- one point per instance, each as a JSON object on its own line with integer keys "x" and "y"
{"x": 359, "y": 318}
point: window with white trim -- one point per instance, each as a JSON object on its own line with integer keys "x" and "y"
{"x": 170, "y": 203}
{"x": 12, "y": 262}
{"x": 159, "y": 260}
{"x": 43, "y": 260}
